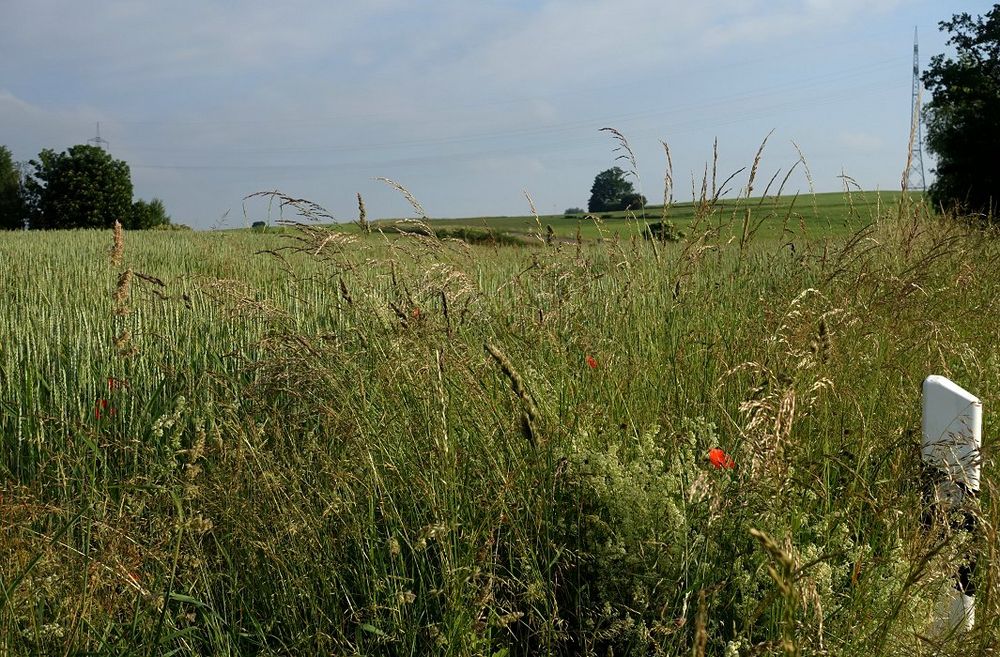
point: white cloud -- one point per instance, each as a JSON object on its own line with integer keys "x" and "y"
{"x": 759, "y": 21}
{"x": 160, "y": 41}
{"x": 425, "y": 45}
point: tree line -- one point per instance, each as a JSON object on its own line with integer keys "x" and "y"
{"x": 81, "y": 187}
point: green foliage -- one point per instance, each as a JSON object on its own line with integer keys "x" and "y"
{"x": 13, "y": 211}
{"x": 82, "y": 187}
{"x": 963, "y": 117}
{"x": 573, "y": 211}
{"x": 633, "y": 527}
{"x": 611, "y": 191}
{"x": 634, "y": 201}
{"x": 469, "y": 234}
{"x": 172, "y": 227}
{"x": 665, "y": 231}
{"x": 146, "y": 215}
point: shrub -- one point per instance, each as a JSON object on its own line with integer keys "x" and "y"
{"x": 146, "y": 215}
{"x": 665, "y": 231}
{"x": 633, "y": 201}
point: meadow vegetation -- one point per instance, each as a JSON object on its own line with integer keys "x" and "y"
{"x": 333, "y": 441}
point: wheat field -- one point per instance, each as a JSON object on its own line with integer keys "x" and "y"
{"x": 327, "y": 441}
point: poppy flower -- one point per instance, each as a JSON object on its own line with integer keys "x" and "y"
{"x": 103, "y": 407}
{"x": 720, "y": 459}
{"x": 416, "y": 313}
{"x": 591, "y": 362}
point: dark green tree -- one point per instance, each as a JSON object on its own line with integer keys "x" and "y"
{"x": 13, "y": 210}
{"x": 146, "y": 215}
{"x": 633, "y": 201}
{"x": 82, "y": 187}
{"x": 609, "y": 191}
{"x": 963, "y": 116}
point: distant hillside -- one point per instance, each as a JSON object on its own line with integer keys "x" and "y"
{"x": 820, "y": 214}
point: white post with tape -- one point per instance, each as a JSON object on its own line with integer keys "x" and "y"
{"x": 953, "y": 427}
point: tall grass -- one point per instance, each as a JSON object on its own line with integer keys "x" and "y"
{"x": 325, "y": 442}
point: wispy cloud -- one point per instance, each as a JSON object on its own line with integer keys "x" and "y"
{"x": 759, "y": 21}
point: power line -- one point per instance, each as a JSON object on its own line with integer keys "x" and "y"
{"x": 670, "y": 118}
{"x": 551, "y": 139}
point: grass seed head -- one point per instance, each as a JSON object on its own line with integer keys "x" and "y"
{"x": 529, "y": 410}
{"x": 363, "y": 216}
{"x": 118, "y": 247}
{"x": 121, "y": 293}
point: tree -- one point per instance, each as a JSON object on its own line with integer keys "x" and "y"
{"x": 963, "y": 116}
{"x": 609, "y": 191}
{"x": 83, "y": 187}
{"x": 12, "y": 208}
{"x": 633, "y": 201}
{"x": 146, "y": 215}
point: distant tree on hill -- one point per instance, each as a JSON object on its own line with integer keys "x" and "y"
{"x": 146, "y": 215}
{"x": 13, "y": 210}
{"x": 963, "y": 116}
{"x": 633, "y": 201}
{"x": 82, "y": 187}
{"x": 611, "y": 191}
{"x": 571, "y": 211}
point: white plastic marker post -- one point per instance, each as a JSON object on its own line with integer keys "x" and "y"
{"x": 953, "y": 427}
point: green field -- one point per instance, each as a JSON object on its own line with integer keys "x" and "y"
{"x": 318, "y": 441}
{"x": 818, "y": 215}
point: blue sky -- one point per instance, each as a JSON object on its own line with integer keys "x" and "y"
{"x": 467, "y": 104}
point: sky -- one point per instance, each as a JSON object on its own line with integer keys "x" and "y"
{"x": 469, "y": 105}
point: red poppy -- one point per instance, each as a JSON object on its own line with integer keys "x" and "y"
{"x": 591, "y": 362}
{"x": 720, "y": 459}
{"x": 103, "y": 407}
{"x": 416, "y": 313}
